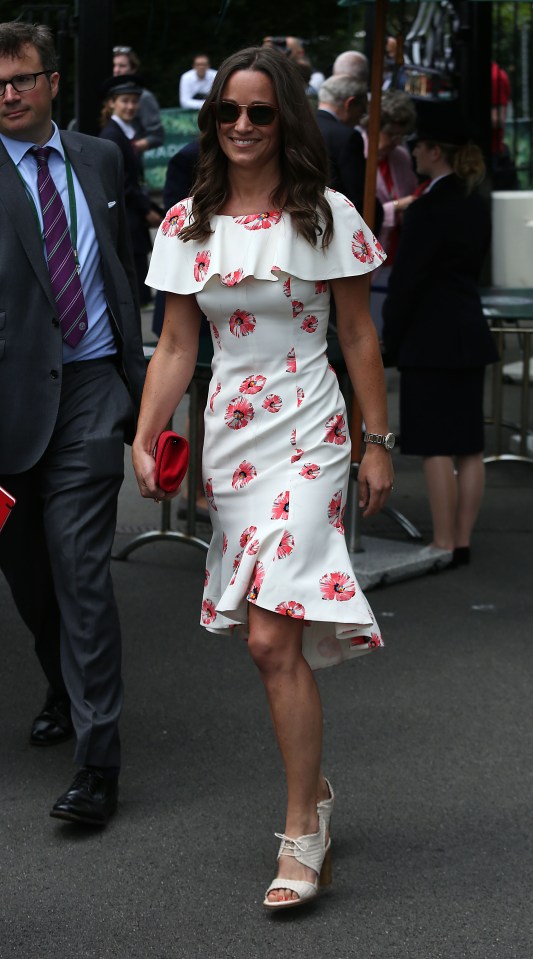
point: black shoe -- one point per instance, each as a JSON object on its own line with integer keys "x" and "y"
{"x": 92, "y": 799}
{"x": 53, "y": 724}
{"x": 461, "y": 556}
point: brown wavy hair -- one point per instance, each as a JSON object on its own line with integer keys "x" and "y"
{"x": 303, "y": 158}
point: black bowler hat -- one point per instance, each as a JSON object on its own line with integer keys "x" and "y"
{"x": 122, "y": 83}
{"x": 440, "y": 122}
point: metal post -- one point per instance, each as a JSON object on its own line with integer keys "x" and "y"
{"x": 94, "y": 60}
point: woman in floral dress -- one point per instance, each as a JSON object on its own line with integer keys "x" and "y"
{"x": 260, "y": 249}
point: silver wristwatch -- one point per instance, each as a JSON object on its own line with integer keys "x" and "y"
{"x": 387, "y": 441}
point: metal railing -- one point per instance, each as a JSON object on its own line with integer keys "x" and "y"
{"x": 496, "y": 416}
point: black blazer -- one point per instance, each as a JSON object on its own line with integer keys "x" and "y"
{"x": 347, "y": 163}
{"x": 432, "y": 316}
{"x": 346, "y": 157}
{"x": 136, "y": 197}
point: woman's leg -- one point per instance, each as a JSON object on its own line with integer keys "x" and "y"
{"x": 471, "y": 486}
{"x": 275, "y": 644}
{"x": 443, "y": 497}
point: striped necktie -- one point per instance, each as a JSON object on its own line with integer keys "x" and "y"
{"x": 64, "y": 277}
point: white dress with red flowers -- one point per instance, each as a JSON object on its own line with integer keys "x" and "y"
{"x": 276, "y": 453}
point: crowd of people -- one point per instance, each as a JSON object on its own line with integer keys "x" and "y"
{"x": 262, "y": 243}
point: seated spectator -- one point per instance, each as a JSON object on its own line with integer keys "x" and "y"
{"x": 148, "y": 125}
{"x": 195, "y": 84}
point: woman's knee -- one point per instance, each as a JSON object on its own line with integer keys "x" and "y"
{"x": 272, "y": 645}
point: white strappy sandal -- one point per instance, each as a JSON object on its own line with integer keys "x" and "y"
{"x": 310, "y": 851}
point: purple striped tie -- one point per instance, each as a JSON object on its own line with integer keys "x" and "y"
{"x": 64, "y": 278}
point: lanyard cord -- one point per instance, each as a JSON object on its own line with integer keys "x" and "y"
{"x": 73, "y": 210}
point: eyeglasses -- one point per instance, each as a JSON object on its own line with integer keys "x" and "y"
{"x": 122, "y": 49}
{"x": 23, "y": 82}
{"x": 259, "y": 114}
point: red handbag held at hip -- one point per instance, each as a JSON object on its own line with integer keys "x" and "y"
{"x": 171, "y": 455}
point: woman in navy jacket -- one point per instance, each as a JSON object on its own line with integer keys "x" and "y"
{"x": 436, "y": 334}
{"x": 122, "y": 94}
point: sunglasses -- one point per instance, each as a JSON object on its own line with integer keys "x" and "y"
{"x": 259, "y": 114}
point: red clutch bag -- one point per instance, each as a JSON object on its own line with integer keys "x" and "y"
{"x": 171, "y": 460}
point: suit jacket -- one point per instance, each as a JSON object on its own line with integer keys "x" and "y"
{"x": 347, "y": 164}
{"x": 30, "y": 339}
{"x": 346, "y": 157}
{"x": 432, "y": 314}
{"x": 135, "y": 196}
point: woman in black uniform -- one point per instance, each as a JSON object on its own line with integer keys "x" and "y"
{"x": 435, "y": 331}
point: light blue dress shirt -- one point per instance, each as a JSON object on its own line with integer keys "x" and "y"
{"x": 98, "y": 340}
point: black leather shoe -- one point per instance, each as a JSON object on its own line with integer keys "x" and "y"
{"x": 53, "y": 724}
{"x": 92, "y": 799}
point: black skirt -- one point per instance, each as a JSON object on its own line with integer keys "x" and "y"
{"x": 441, "y": 412}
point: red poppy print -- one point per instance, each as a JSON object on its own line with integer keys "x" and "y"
{"x": 310, "y": 324}
{"x": 243, "y": 475}
{"x": 293, "y": 438}
{"x": 253, "y": 547}
{"x": 300, "y": 395}
{"x": 216, "y": 334}
{"x": 297, "y": 307}
{"x": 321, "y": 286}
{"x": 379, "y": 249}
{"x": 297, "y": 456}
{"x": 208, "y": 612}
{"x": 375, "y": 641}
{"x": 209, "y": 495}
{"x": 287, "y": 287}
{"x": 252, "y": 384}
{"x": 239, "y": 413}
{"x": 246, "y": 535}
{"x": 286, "y": 545}
{"x": 259, "y": 221}
{"x": 201, "y": 265}
{"x": 206, "y": 577}
{"x": 361, "y": 248}
{"x": 231, "y": 279}
{"x": 257, "y": 582}
{"x": 335, "y": 508}
{"x": 236, "y": 564}
{"x": 310, "y": 471}
{"x": 280, "y": 506}
{"x": 291, "y": 361}
{"x": 272, "y": 403}
{"x": 241, "y": 323}
{"x": 358, "y": 640}
{"x": 337, "y": 586}
{"x": 213, "y": 397}
{"x": 174, "y": 220}
{"x": 335, "y": 430}
{"x": 224, "y": 544}
{"x": 349, "y": 202}
{"x": 292, "y": 609}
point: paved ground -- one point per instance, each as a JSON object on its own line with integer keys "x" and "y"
{"x": 428, "y": 744}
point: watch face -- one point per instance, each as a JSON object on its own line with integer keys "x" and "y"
{"x": 390, "y": 440}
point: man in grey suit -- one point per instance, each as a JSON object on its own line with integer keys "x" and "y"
{"x": 66, "y": 409}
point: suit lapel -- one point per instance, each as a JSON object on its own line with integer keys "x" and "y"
{"x": 91, "y": 183}
{"x": 21, "y": 216}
